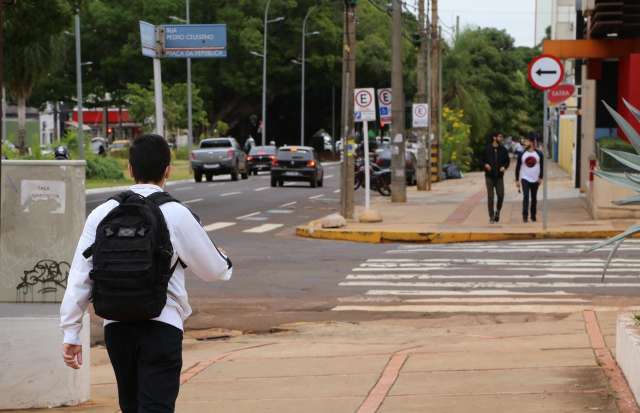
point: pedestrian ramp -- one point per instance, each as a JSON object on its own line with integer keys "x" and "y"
{"x": 512, "y": 277}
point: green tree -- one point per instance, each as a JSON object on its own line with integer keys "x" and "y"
{"x": 31, "y": 52}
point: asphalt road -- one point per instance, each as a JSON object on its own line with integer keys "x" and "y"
{"x": 280, "y": 278}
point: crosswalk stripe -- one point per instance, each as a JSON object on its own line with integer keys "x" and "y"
{"x": 525, "y": 308}
{"x": 501, "y": 251}
{"x": 316, "y": 196}
{"x": 499, "y": 300}
{"x": 288, "y": 204}
{"x": 558, "y": 269}
{"x": 183, "y": 188}
{"x": 231, "y": 193}
{"x": 263, "y": 228}
{"x": 483, "y": 277}
{"x": 491, "y": 293}
{"x": 485, "y": 284}
{"x": 218, "y": 225}
{"x": 495, "y": 261}
{"x": 264, "y": 188}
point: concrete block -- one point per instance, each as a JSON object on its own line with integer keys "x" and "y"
{"x": 628, "y": 351}
{"x": 33, "y": 374}
{"x": 601, "y": 198}
{"x": 42, "y": 209}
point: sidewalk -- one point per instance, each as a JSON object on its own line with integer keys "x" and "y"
{"x": 461, "y": 364}
{"x": 456, "y": 211}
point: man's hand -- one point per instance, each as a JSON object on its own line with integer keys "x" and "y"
{"x": 72, "y": 355}
{"x": 487, "y": 167}
{"x": 540, "y": 181}
{"x": 502, "y": 169}
{"x": 518, "y": 184}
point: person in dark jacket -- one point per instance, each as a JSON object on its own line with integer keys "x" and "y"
{"x": 496, "y": 162}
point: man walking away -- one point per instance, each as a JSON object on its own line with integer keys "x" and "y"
{"x": 529, "y": 170}
{"x": 496, "y": 162}
{"x": 130, "y": 263}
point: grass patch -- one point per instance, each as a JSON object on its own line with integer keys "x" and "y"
{"x": 181, "y": 171}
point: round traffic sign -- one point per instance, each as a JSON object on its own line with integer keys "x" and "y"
{"x": 385, "y": 97}
{"x": 560, "y": 93}
{"x": 545, "y": 72}
{"x": 363, "y": 98}
{"x": 420, "y": 111}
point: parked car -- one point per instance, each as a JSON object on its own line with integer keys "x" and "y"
{"x": 384, "y": 161}
{"x": 99, "y": 145}
{"x": 219, "y": 156}
{"x": 260, "y": 158}
{"x": 297, "y": 163}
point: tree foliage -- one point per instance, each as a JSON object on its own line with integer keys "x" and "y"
{"x": 485, "y": 75}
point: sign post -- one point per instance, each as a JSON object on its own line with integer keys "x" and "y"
{"x": 384, "y": 106}
{"x": 421, "y": 122}
{"x": 365, "y": 111}
{"x": 545, "y": 72}
{"x": 179, "y": 41}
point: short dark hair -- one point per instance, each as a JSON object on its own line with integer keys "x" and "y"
{"x": 149, "y": 157}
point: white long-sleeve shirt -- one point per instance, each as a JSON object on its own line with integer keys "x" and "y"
{"x": 190, "y": 242}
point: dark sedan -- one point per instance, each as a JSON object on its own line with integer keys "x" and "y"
{"x": 260, "y": 158}
{"x": 384, "y": 161}
{"x": 297, "y": 163}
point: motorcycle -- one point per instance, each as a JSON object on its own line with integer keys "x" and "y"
{"x": 380, "y": 178}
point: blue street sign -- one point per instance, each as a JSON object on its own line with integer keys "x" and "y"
{"x": 195, "y": 40}
{"x": 384, "y": 111}
{"x": 148, "y": 39}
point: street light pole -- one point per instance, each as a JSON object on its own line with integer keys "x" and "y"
{"x": 189, "y": 98}
{"x": 80, "y": 137}
{"x": 264, "y": 75}
{"x": 304, "y": 61}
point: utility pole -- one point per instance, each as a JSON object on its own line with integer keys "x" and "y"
{"x": 434, "y": 128}
{"x": 423, "y": 183}
{"x": 457, "y": 28}
{"x": 348, "y": 86}
{"x": 189, "y": 92}
{"x": 398, "y": 162}
{"x": 80, "y": 137}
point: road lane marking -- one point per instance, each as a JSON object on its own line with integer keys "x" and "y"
{"x": 193, "y": 201}
{"x": 264, "y": 188}
{"x": 316, "y": 196}
{"x": 280, "y": 211}
{"x": 337, "y": 191}
{"x": 496, "y": 300}
{"x": 253, "y": 214}
{"x": 263, "y": 228}
{"x": 231, "y": 193}
{"x": 211, "y": 185}
{"x": 328, "y": 176}
{"x": 288, "y": 204}
{"x": 183, "y": 188}
{"x": 218, "y": 225}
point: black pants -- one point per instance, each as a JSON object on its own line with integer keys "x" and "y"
{"x": 530, "y": 191}
{"x": 146, "y": 358}
{"x": 495, "y": 186}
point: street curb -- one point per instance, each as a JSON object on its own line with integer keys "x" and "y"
{"x": 441, "y": 237}
{"x": 95, "y": 191}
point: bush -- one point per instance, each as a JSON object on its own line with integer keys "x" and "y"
{"x": 181, "y": 154}
{"x": 606, "y": 162}
{"x": 103, "y": 168}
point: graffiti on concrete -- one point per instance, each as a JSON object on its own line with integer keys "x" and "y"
{"x": 46, "y": 277}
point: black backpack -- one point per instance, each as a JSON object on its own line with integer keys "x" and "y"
{"x": 132, "y": 259}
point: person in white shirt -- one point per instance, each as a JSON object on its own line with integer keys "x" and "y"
{"x": 529, "y": 175}
{"x": 146, "y": 355}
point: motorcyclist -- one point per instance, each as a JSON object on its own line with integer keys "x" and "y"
{"x": 61, "y": 154}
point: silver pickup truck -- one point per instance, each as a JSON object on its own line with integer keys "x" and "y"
{"x": 219, "y": 156}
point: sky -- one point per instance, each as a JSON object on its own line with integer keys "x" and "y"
{"x": 517, "y": 17}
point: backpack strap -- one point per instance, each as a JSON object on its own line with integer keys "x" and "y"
{"x": 122, "y": 196}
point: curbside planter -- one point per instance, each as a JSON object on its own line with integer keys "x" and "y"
{"x": 628, "y": 351}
